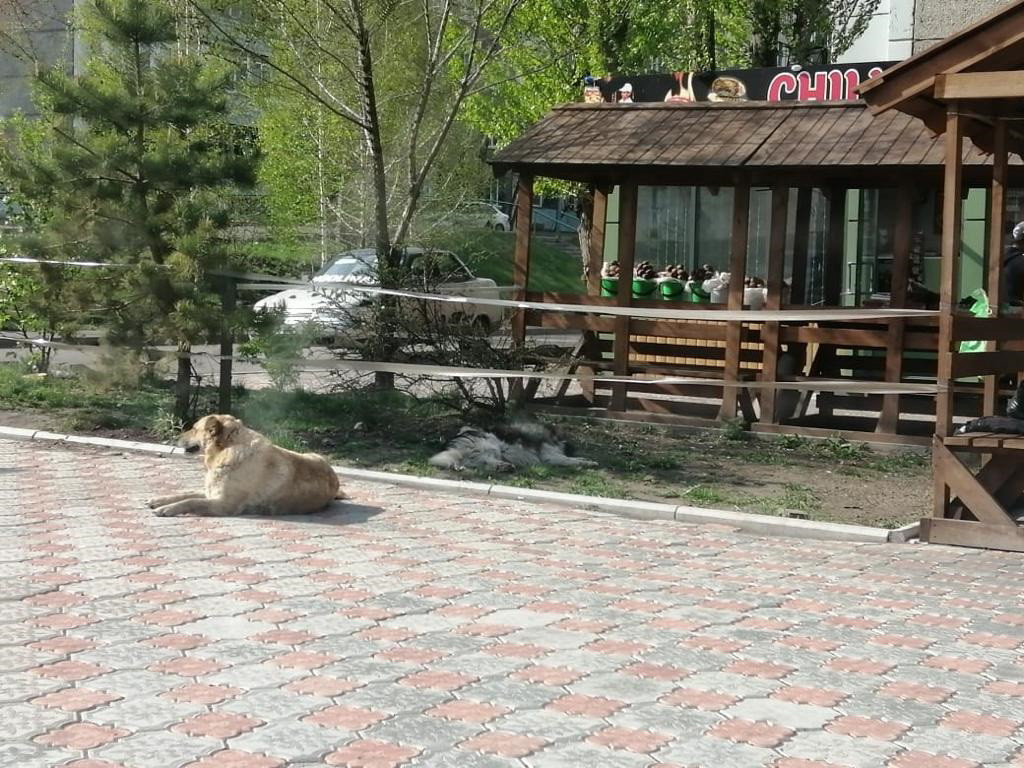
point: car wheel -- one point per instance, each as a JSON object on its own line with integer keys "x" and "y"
{"x": 483, "y": 324}
{"x": 499, "y": 227}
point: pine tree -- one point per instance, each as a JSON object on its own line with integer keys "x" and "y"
{"x": 138, "y": 170}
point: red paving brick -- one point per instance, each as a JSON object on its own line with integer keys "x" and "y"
{"x": 538, "y": 634}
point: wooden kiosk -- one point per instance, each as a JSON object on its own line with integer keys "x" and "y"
{"x": 893, "y": 362}
{"x": 882, "y": 361}
{"x": 971, "y": 88}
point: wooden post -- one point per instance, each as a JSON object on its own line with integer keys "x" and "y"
{"x": 776, "y": 273}
{"x": 521, "y": 266}
{"x": 903, "y": 235}
{"x": 997, "y": 218}
{"x": 627, "y": 249}
{"x": 598, "y": 222}
{"x": 737, "y": 274}
{"x": 835, "y": 265}
{"x": 227, "y": 345}
{"x": 595, "y": 261}
{"x": 948, "y": 285}
{"x": 801, "y": 241}
{"x": 952, "y": 210}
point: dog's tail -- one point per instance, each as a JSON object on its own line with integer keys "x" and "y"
{"x": 1002, "y": 425}
{"x": 446, "y": 459}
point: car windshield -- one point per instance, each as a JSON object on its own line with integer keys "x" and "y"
{"x": 349, "y": 269}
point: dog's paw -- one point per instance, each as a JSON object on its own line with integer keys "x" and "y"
{"x": 165, "y": 511}
{"x": 153, "y": 503}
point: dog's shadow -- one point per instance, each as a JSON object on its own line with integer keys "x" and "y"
{"x": 337, "y": 513}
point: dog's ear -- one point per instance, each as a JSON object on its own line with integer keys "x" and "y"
{"x": 213, "y": 427}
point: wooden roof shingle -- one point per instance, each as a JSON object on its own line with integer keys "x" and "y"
{"x": 760, "y": 135}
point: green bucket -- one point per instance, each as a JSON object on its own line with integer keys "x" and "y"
{"x": 644, "y": 288}
{"x": 609, "y": 287}
{"x": 697, "y": 294}
{"x": 671, "y": 290}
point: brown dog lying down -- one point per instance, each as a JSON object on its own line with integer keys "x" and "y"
{"x": 245, "y": 472}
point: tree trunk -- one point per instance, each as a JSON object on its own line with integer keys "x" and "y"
{"x": 710, "y": 38}
{"x": 388, "y": 257}
{"x": 183, "y": 384}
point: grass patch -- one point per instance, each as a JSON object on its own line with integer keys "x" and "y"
{"x": 490, "y": 254}
{"x": 825, "y": 480}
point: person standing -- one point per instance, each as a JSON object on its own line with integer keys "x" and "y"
{"x": 1012, "y": 288}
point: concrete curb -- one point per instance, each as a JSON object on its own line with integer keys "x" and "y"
{"x": 906, "y": 533}
{"x": 104, "y": 442}
{"x": 641, "y": 510}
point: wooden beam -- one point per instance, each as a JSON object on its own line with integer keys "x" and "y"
{"x": 967, "y": 364}
{"x": 903, "y": 236}
{"x": 994, "y": 273}
{"x": 627, "y": 250}
{"x": 737, "y": 276}
{"x": 952, "y": 209}
{"x": 967, "y": 327}
{"x": 968, "y": 533}
{"x": 521, "y": 258}
{"x": 966, "y": 487}
{"x": 774, "y": 278}
{"x": 915, "y": 76}
{"x": 948, "y": 280}
{"x": 980, "y": 85}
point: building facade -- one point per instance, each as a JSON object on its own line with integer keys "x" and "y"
{"x": 901, "y": 28}
{"x": 40, "y": 29}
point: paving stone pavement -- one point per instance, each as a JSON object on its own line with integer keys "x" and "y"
{"x": 417, "y": 628}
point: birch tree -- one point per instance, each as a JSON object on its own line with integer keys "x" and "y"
{"x": 396, "y": 72}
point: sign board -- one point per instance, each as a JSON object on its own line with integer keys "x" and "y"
{"x": 836, "y": 82}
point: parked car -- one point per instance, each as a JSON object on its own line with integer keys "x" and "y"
{"x": 328, "y": 306}
{"x": 10, "y": 213}
{"x": 483, "y": 215}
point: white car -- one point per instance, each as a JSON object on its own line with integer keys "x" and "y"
{"x": 328, "y": 306}
{"x": 487, "y": 215}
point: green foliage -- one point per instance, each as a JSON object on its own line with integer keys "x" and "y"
{"x": 278, "y": 350}
{"x": 563, "y": 40}
{"x": 735, "y": 429}
{"x": 805, "y": 31}
{"x": 560, "y": 41}
{"x": 135, "y": 168}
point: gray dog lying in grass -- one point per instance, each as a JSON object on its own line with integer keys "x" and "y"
{"x": 508, "y": 448}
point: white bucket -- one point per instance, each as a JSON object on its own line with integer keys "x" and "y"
{"x": 754, "y": 297}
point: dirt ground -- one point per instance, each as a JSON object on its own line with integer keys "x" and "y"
{"x": 821, "y": 480}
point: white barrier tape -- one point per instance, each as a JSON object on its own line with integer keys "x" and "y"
{"x": 277, "y": 280}
{"x": 827, "y": 385}
{"x": 45, "y": 343}
{"x": 440, "y": 371}
{"x": 55, "y": 263}
{"x": 722, "y": 315}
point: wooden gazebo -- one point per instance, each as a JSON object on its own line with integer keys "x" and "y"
{"x": 832, "y": 146}
{"x": 971, "y": 88}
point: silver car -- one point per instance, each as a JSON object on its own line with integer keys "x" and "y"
{"x": 326, "y": 305}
